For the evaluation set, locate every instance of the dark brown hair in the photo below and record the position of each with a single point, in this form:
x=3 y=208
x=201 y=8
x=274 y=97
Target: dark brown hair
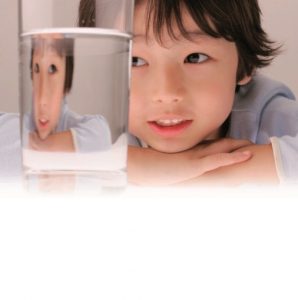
x=63 y=47
x=238 y=21
x=87 y=13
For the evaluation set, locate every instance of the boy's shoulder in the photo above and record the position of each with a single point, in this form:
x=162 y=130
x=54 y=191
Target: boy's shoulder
x=10 y=150
x=261 y=103
x=9 y=131
x=9 y=123
x=255 y=95
x=69 y=119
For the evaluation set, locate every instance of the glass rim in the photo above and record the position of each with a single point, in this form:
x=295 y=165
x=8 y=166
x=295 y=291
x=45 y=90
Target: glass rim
x=77 y=30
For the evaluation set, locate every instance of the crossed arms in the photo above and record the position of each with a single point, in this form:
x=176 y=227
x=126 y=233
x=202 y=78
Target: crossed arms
x=222 y=162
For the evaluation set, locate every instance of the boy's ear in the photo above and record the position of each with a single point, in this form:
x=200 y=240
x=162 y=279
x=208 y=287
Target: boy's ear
x=246 y=79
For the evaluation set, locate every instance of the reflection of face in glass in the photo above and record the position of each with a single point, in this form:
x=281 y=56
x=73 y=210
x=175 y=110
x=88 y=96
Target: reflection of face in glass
x=48 y=75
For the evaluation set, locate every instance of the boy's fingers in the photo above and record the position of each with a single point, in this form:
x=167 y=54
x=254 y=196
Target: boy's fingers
x=215 y=161
x=223 y=145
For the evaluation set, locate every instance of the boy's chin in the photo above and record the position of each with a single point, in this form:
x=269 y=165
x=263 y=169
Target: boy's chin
x=43 y=135
x=170 y=148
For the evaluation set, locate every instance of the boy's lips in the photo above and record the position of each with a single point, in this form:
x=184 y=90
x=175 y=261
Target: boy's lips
x=43 y=122
x=169 y=127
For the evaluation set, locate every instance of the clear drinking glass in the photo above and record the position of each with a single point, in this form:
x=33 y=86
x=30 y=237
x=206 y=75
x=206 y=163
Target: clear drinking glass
x=74 y=89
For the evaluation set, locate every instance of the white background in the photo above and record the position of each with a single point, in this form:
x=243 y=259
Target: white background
x=151 y=244
x=280 y=21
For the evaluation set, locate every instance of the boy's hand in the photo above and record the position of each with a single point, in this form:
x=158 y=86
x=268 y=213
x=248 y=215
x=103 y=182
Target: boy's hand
x=260 y=169
x=150 y=167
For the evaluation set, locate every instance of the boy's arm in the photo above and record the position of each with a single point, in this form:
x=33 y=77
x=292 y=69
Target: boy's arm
x=150 y=167
x=56 y=142
x=260 y=169
x=90 y=133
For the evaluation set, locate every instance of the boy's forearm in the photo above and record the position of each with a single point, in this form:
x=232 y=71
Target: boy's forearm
x=260 y=169
x=56 y=142
x=150 y=167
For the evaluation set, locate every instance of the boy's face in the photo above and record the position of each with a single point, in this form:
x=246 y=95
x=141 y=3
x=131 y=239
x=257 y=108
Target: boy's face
x=182 y=91
x=48 y=74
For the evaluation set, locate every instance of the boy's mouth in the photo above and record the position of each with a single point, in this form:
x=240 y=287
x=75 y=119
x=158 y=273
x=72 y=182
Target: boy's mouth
x=169 y=127
x=169 y=122
x=43 y=122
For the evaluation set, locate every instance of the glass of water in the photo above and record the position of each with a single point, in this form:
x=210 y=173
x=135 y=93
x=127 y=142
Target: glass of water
x=74 y=89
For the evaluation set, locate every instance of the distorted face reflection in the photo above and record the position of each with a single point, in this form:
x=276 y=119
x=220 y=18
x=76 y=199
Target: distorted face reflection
x=48 y=75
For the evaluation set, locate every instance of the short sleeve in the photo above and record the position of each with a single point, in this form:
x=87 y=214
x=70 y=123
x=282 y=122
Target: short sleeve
x=279 y=118
x=285 y=150
x=91 y=134
x=279 y=124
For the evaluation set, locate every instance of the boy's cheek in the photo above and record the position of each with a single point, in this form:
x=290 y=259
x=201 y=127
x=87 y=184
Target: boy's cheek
x=133 y=124
x=136 y=124
x=136 y=108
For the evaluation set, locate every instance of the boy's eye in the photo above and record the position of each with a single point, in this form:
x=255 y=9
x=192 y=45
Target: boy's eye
x=196 y=58
x=52 y=69
x=36 y=68
x=138 y=62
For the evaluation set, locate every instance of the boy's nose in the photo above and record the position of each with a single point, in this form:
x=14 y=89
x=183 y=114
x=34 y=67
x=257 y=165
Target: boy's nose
x=168 y=85
x=42 y=93
x=43 y=101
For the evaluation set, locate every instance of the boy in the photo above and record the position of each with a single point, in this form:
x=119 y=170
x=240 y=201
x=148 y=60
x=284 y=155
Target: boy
x=53 y=127
x=189 y=57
